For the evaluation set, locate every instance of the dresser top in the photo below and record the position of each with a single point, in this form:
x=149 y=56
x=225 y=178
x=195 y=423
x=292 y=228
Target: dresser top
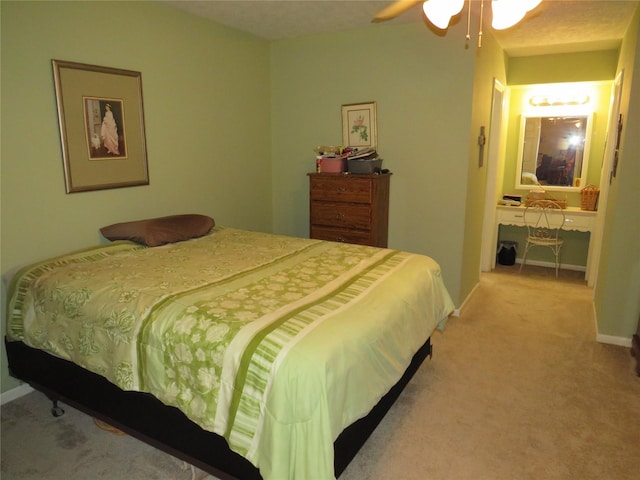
x=348 y=175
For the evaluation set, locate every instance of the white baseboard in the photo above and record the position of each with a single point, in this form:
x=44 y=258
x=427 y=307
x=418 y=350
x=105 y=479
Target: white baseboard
x=563 y=266
x=15 y=393
x=457 y=311
x=611 y=340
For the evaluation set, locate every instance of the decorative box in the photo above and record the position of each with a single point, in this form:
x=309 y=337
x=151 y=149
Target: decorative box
x=331 y=164
x=366 y=166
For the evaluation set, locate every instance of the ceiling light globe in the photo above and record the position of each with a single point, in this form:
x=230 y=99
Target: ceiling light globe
x=439 y=12
x=506 y=13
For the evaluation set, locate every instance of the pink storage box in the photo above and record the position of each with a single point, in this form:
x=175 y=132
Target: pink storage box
x=332 y=164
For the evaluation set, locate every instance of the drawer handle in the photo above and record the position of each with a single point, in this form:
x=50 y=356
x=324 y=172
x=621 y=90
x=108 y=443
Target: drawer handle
x=340 y=239
x=340 y=216
x=341 y=189
x=519 y=215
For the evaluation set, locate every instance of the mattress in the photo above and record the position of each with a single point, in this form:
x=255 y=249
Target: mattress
x=276 y=343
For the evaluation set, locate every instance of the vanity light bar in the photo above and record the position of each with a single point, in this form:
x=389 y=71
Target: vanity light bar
x=555 y=101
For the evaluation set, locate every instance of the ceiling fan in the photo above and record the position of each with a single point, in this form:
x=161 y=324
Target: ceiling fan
x=505 y=13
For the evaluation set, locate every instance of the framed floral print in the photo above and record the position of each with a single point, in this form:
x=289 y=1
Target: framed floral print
x=359 y=128
x=101 y=120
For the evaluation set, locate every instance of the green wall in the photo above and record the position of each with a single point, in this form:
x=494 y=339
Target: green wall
x=423 y=87
x=490 y=66
x=563 y=67
x=206 y=99
x=574 y=250
x=617 y=292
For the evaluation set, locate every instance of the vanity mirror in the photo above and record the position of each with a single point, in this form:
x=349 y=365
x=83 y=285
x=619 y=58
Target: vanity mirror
x=553 y=152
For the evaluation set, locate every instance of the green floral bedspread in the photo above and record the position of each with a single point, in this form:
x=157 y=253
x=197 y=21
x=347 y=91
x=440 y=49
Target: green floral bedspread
x=205 y=325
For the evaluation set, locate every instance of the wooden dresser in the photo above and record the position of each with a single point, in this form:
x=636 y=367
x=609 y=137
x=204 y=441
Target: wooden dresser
x=349 y=208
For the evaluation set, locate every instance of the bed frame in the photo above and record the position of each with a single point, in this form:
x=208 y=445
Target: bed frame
x=143 y=416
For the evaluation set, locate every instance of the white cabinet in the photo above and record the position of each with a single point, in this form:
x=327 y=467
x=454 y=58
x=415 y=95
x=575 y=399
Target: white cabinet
x=575 y=219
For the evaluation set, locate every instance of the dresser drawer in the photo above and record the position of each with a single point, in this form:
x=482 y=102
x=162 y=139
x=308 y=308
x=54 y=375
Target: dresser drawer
x=345 y=215
x=578 y=221
x=342 y=189
x=341 y=235
x=511 y=216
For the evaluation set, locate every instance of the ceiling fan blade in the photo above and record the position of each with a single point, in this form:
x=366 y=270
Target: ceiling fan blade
x=396 y=8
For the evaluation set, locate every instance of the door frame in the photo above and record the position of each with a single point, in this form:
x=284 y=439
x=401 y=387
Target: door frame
x=494 y=173
x=606 y=176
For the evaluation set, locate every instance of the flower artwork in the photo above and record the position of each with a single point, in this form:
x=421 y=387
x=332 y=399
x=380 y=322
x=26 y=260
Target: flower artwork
x=360 y=128
x=359 y=125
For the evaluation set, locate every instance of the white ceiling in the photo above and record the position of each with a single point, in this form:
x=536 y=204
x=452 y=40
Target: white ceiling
x=555 y=26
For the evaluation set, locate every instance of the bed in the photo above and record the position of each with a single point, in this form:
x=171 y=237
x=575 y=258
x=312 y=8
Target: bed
x=248 y=355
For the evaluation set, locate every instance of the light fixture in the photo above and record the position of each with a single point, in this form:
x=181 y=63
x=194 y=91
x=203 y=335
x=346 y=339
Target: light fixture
x=440 y=12
x=558 y=100
x=575 y=140
x=506 y=13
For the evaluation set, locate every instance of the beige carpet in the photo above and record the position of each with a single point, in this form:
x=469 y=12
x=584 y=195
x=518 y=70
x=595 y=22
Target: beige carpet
x=517 y=389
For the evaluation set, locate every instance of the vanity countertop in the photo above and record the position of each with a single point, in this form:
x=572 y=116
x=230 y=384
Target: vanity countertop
x=575 y=217
x=571 y=210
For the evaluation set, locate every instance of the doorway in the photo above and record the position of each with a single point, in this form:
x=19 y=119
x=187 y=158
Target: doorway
x=496 y=169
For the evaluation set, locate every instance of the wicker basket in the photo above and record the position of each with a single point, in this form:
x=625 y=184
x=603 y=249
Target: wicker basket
x=561 y=203
x=535 y=194
x=589 y=198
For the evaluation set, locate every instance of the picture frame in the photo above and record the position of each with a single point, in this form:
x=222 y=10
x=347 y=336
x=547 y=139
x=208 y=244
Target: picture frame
x=101 y=121
x=359 y=127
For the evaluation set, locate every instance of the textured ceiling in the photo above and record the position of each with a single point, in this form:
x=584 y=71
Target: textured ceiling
x=276 y=19
x=555 y=26
x=569 y=26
